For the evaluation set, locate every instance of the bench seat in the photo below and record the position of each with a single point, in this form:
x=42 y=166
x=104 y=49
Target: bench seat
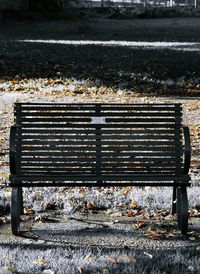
x=131 y=180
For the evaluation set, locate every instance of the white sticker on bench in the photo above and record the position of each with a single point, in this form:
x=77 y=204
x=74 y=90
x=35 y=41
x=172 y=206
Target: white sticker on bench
x=98 y=120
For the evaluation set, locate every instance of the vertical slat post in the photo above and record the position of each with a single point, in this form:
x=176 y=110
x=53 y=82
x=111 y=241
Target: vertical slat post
x=98 y=143
x=18 y=122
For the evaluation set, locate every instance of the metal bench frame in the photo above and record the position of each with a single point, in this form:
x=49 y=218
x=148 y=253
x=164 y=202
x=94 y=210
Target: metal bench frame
x=127 y=117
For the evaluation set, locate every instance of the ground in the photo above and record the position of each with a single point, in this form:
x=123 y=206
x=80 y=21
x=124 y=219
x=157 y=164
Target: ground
x=100 y=230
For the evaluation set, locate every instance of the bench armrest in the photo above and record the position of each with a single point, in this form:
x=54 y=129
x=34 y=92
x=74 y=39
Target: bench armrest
x=187 y=150
x=12 y=151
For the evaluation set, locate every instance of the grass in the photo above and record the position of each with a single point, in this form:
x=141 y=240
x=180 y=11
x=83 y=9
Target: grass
x=26 y=259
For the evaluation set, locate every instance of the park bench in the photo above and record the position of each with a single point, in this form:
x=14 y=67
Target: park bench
x=103 y=145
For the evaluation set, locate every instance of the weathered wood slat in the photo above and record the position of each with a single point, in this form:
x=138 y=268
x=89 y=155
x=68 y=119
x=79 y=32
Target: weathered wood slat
x=92 y=174
x=93 y=131
x=88 y=120
x=104 y=169
x=93 y=170
x=90 y=159
x=86 y=164
x=104 y=107
x=93 y=137
x=92 y=153
x=168 y=149
x=85 y=150
x=106 y=114
x=103 y=142
x=105 y=126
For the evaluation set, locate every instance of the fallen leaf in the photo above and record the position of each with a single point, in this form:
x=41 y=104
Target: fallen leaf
x=111 y=260
x=9 y=268
x=28 y=211
x=191 y=268
x=41 y=262
x=81 y=270
x=116 y=214
x=89 y=258
x=91 y=205
x=132 y=213
x=126 y=259
x=139 y=224
x=154 y=235
x=105 y=271
x=41 y=218
x=148 y=255
x=50 y=206
x=134 y=204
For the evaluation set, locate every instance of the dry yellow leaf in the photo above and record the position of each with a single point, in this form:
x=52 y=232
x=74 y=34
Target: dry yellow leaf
x=134 y=204
x=105 y=271
x=9 y=268
x=28 y=211
x=41 y=262
x=91 y=205
x=89 y=258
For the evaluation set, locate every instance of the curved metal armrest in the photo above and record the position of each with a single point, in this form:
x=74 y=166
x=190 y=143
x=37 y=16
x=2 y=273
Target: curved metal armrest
x=12 y=152
x=187 y=150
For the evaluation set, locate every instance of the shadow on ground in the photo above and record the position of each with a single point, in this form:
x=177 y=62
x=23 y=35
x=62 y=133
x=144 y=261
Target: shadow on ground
x=138 y=69
x=82 y=243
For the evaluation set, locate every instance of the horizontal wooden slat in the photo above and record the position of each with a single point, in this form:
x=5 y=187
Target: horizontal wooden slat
x=93 y=184
x=90 y=174
x=134 y=177
x=82 y=170
x=92 y=164
x=104 y=107
x=104 y=126
x=84 y=159
x=103 y=142
x=103 y=153
x=103 y=114
x=93 y=170
x=94 y=104
x=91 y=153
x=111 y=151
x=93 y=131
x=135 y=149
x=88 y=120
x=97 y=137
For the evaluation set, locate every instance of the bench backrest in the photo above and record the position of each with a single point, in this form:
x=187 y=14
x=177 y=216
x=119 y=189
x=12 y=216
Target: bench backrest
x=98 y=139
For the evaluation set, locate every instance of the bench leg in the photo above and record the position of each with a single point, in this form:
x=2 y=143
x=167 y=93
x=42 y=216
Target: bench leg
x=182 y=209
x=174 y=200
x=15 y=210
x=21 y=201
